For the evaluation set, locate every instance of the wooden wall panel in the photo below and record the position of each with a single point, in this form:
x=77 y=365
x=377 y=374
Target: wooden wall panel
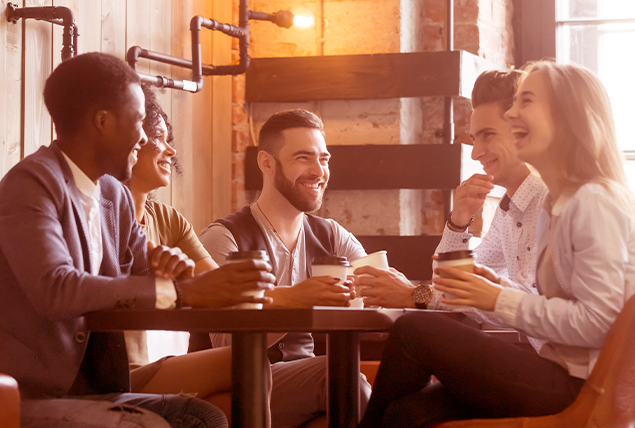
x=182 y=112
x=192 y=113
x=201 y=143
x=138 y=29
x=160 y=40
x=38 y=62
x=10 y=91
x=221 y=118
x=203 y=192
x=113 y=27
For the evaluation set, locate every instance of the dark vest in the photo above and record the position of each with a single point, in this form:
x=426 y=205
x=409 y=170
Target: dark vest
x=319 y=241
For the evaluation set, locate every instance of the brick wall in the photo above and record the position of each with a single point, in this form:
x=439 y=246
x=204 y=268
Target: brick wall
x=482 y=27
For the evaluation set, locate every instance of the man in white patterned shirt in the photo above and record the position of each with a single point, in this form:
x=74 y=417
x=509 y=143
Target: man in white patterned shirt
x=509 y=248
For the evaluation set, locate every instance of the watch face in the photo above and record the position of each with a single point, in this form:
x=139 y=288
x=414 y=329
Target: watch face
x=422 y=294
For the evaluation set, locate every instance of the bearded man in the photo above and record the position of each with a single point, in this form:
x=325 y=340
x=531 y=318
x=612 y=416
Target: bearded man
x=294 y=161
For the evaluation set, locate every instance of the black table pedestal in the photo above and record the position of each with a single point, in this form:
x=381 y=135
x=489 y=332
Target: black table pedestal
x=342 y=348
x=249 y=396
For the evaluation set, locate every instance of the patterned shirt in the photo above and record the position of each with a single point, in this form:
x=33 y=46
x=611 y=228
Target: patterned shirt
x=509 y=248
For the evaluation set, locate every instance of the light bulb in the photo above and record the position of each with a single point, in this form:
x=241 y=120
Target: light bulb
x=303 y=19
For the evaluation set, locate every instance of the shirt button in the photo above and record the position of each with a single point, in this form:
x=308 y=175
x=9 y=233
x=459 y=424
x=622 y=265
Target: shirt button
x=281 y=345
x=80 y=337
x=519 y=224
x=465 y=240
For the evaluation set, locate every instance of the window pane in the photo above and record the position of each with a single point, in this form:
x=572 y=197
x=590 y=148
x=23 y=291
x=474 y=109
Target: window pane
x=601 y=48
x=600 y=9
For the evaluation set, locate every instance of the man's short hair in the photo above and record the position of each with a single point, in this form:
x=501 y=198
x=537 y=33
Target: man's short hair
x=495 y=86
x=87 y=81
x=269 y=138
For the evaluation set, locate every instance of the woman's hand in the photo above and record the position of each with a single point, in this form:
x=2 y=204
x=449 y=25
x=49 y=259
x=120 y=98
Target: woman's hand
x=479 y=290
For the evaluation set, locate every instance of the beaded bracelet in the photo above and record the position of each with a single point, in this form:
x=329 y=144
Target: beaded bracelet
x=456 y=228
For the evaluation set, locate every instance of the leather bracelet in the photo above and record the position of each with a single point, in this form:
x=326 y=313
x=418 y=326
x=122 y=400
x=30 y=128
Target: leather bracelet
x=177 y=289
x=456 y=228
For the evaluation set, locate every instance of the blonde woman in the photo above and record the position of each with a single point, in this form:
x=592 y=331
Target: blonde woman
x=563 y=126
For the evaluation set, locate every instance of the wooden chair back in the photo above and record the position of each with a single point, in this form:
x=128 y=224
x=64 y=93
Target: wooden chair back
x=9 y=402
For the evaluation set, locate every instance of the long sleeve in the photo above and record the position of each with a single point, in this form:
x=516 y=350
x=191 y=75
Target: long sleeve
x=593 y=253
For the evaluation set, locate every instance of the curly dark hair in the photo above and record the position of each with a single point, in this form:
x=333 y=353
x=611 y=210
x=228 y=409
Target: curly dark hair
x=154 y=113
x=89 y=81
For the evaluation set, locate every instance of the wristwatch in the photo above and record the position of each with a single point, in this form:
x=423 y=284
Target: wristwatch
x=422 y=295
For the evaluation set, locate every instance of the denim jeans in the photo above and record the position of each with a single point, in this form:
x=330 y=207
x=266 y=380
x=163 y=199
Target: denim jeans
x=122 y=411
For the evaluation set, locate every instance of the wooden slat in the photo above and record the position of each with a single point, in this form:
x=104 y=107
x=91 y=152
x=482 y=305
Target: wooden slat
x=411 y=255
x=349 y=77
x=221 y=116
x=138 y=29
x=191 y=119
x=182 y=185
x=415 y=166
x=160 y=40
x=37 y=67
x=113 y=27
x=10 y=90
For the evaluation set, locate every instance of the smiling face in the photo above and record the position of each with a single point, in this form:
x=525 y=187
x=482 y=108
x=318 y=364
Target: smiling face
x=123 y=136
x=494 y=146
x=532 y=122
x=302 y=168
x=154 y=167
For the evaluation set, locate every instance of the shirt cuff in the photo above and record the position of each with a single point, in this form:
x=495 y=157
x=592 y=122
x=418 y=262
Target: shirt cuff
x=507 y=305
x=166 y=293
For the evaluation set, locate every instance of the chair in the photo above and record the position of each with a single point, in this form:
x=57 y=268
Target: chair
x=607 y=399
x=9 y=402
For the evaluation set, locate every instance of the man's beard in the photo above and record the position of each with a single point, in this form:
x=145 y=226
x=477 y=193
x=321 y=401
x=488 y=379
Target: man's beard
x=294 y=195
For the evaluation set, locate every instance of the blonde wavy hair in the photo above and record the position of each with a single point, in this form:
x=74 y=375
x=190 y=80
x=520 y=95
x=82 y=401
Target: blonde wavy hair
x=587 y=150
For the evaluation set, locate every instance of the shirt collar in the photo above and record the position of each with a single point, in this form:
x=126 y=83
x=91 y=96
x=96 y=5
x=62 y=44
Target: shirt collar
x=83 y=183
x=531 y=187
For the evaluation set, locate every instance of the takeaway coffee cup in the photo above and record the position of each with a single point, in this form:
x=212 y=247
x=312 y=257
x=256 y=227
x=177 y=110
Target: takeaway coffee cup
x=379 y=260
x=336 y=267
x=241 y=256
x=462 y=259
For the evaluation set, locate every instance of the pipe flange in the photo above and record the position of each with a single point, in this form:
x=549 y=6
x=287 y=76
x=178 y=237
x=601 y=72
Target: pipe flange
x=11 y=8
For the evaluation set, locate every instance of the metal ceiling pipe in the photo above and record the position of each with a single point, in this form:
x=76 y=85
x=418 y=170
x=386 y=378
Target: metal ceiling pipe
x=58 y=15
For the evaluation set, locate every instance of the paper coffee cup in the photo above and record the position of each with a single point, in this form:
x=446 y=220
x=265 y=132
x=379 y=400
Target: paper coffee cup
x=333 y=266
x=378 y=260
x=336 y=267
x=462 y=259
x=241 y=256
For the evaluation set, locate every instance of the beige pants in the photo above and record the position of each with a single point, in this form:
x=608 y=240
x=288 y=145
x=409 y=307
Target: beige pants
x=299 y=391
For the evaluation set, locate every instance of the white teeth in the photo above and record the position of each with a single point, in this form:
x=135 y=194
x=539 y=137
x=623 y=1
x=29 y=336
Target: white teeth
x=312 y=185
x=519 y=132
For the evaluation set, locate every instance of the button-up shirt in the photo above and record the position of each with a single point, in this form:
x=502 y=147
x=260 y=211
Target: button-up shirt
x=90 y=196
x=508 y=248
